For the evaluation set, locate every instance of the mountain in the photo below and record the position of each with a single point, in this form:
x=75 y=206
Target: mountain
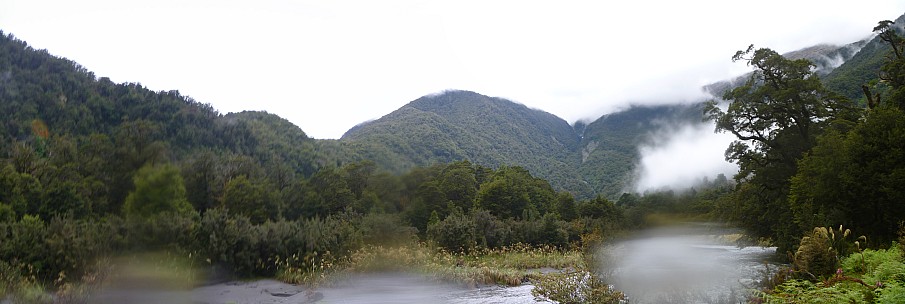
x=56 y=111
x=825 y=57
x=459 y=125
x=863 y=67
x=585 y=159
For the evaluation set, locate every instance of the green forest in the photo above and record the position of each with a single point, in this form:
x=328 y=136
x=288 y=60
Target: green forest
x=93 y=171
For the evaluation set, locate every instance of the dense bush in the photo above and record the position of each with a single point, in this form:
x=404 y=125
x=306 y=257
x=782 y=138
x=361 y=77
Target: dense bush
x=816 y=256
x=871 y=276
x=234 y=243
x=480 y=229
x=546 y=230
x=491 y=231
x=457 y=232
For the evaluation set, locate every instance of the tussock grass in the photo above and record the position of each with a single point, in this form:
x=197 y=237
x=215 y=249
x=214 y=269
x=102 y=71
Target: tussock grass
x=510 y=266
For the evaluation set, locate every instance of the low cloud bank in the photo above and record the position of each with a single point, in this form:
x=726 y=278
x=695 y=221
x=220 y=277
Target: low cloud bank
x=681 y=156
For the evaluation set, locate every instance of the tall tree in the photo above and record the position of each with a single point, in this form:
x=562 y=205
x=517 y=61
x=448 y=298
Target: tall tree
x=776 y=116
x=252 y=199
x=858 y=178
x=158 y=189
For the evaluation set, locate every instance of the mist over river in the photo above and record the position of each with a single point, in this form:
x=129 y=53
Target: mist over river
x=685 y=264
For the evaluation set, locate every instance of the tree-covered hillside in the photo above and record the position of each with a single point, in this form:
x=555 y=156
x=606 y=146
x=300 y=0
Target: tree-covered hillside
x=56 y=113
x=863 y=68
x=462 y=125
x=588 y=159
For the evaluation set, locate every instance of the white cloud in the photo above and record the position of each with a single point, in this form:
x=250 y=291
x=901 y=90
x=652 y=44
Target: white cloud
x=682 y=156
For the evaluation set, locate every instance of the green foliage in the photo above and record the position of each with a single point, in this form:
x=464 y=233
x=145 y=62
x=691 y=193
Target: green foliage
x=816 y=256
x=457 y=233
x=253 y=200
x=565 y=206
x=512 y=190
x=776 y=115
x=6 y=213
x=546 y=230
x=491 y=232
x=600 y=208
x=234 y=243
x=164 y=231
x=882 y=265
x=856 y=179
x=855 y=176
x=158 y=189
x=871 y=276
x=796 y=291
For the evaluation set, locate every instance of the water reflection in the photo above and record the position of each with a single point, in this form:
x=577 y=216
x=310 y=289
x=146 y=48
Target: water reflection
x=408 y=288
x=377 y=288
x=688 y=264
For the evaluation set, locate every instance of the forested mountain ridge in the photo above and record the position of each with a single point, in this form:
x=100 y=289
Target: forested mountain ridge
x=57 y=113
x=591 y=159
x=863 y=67
x=463 y=125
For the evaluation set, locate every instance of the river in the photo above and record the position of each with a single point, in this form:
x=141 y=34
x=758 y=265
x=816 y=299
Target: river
x=687 y=264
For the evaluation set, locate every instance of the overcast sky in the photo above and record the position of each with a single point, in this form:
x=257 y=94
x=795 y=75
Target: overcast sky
x=329 y=65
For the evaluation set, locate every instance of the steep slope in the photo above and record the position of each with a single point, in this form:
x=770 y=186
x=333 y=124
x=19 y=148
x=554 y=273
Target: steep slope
x=53 y=105
x=457 y=125
x=825 y=57
x=863 y=67
x=587 y=160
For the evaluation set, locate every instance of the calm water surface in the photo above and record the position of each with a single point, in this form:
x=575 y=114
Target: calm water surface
x=687 y=264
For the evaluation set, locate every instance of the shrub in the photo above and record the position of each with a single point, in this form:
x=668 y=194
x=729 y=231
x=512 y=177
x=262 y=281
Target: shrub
x=816 y=255
x=9 y=278
x=168 y=230
x=546 y=230
x=245 y=249
x=490 y=231
x=457 y=232
x=227 y=241
x=23 y=242
x=158 y=189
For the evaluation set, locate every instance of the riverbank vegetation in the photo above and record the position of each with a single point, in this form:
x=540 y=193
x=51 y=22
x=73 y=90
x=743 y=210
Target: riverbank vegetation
x=831 y=267
x=462 y=222
x=810 y=157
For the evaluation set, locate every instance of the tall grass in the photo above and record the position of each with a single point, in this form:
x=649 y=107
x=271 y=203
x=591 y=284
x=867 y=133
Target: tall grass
x=509 y=266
